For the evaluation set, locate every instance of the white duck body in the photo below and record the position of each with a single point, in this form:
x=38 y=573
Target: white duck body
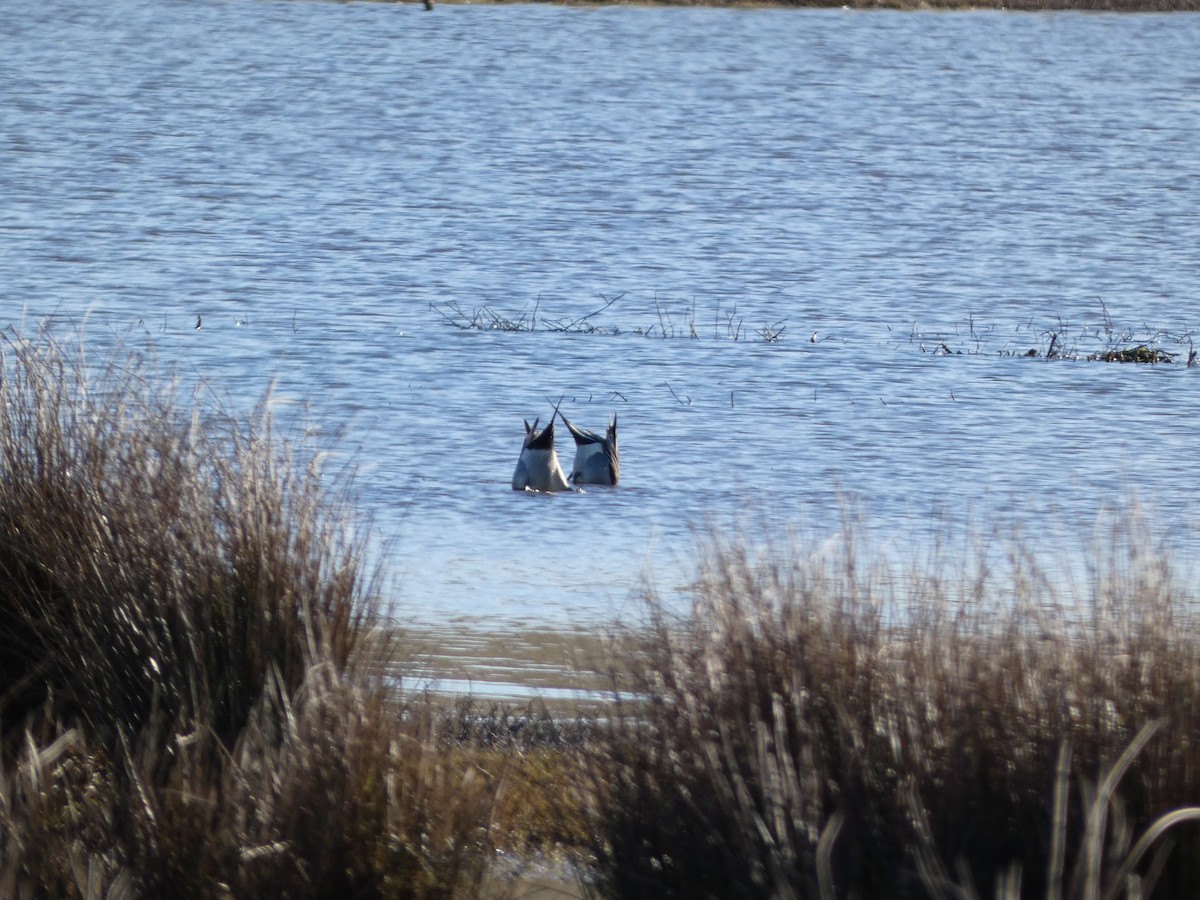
x=538 y=468
x=597 y=460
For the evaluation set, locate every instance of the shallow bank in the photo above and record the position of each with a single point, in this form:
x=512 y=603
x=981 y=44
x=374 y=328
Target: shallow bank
x=561 y=668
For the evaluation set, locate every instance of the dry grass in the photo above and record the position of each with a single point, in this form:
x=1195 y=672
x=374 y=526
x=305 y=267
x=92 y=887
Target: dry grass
x=194 y=703
x=189 y=708
x=820 y=727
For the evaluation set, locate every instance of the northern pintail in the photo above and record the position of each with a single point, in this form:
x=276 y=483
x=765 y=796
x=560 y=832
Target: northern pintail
x=537 y=467
x=597 y=460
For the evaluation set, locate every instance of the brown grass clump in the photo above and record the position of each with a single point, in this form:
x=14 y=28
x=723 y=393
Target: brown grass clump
x=188 y=707
x=818 y=727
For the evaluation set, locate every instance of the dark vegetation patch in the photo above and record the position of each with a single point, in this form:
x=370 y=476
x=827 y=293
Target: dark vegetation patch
x=1096 y=340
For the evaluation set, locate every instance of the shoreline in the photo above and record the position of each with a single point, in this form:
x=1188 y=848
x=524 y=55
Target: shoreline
x=1029 y=6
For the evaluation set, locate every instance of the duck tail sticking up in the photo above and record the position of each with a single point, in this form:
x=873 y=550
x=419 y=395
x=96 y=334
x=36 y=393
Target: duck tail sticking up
x=597 y=459
x=538 y=468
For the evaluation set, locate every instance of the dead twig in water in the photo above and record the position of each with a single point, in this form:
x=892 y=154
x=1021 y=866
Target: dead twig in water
x=771 y=333
x=578 y=324
x=676 y=396
x=661 y=324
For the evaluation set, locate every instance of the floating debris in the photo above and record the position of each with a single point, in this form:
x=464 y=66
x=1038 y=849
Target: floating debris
x=1139 y=354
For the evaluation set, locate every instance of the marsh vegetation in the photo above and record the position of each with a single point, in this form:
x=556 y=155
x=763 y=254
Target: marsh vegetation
x=191 y=706
x=822 y=726
x=1097 y=340
x=200 y=697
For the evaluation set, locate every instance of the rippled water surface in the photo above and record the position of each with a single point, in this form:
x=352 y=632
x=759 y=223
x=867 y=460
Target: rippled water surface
x=909 y=202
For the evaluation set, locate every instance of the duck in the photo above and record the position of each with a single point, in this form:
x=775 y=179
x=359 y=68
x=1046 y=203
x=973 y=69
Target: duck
x=597 y=460
x=538 y=468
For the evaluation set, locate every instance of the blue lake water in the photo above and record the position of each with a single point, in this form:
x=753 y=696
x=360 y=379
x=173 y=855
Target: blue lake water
x=331 y=190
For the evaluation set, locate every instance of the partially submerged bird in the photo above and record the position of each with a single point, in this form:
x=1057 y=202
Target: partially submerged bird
x=597 y=460
x=537 y=467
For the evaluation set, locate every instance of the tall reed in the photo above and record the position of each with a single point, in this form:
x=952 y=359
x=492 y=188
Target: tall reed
x=190 y=703
x=818 y=726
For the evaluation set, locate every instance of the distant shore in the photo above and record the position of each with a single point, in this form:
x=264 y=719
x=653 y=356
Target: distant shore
x=1123 y=6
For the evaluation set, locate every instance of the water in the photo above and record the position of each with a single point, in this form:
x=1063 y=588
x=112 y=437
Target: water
x=308 y=181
